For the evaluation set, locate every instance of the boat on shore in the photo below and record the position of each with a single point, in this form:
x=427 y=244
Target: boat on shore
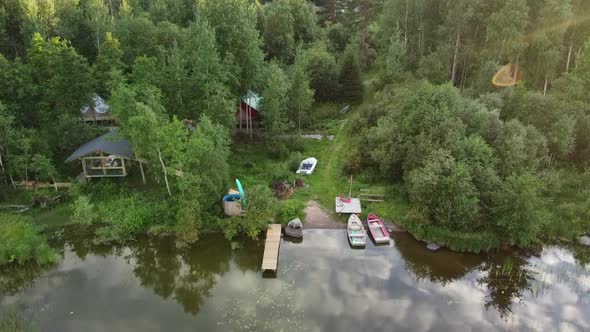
x=294 y=228
x=357 y=236
x=307 y=166
x=377 y=229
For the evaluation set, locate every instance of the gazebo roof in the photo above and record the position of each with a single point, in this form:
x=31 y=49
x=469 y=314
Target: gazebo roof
x=109 y=143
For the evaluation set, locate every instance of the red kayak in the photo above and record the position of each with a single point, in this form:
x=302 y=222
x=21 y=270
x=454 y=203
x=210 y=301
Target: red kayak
x=377 y=229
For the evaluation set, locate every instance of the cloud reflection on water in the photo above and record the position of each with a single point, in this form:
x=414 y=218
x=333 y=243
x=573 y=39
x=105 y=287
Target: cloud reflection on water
x=322 y=284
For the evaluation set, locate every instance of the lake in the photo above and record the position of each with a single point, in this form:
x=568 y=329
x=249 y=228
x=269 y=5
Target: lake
x=321 y=285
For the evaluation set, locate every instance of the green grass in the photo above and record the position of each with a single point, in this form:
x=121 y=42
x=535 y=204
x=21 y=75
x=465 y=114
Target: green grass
x=253 y=165
x=59 y=216
x=20 y=242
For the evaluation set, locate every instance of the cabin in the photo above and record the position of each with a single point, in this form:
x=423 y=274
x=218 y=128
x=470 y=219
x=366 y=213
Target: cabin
x=97 y=113
x=247 y=114
x=109 y=155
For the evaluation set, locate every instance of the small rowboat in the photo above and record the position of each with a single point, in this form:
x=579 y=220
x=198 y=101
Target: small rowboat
x=356 y=232
x=294 y=228
x=307 y=166
x=377 y=229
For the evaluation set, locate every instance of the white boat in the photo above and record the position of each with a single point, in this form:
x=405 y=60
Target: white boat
x=307 y=166
x=356 y=231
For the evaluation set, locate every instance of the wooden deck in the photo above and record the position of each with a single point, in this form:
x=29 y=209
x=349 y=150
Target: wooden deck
x=352 y=207
x=271 y=248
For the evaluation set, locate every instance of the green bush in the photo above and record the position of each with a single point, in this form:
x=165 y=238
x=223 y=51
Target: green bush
x=20 y=242
x=129 y=216
x=260 y=212
x=84 y=211
x=290 y=210
x=280 y=173
x=417 y=224
x=294 y=161
x=281 y=147
x=188 y=222
x=295 y=143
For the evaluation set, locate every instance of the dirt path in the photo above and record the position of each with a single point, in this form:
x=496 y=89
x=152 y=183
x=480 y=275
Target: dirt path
x=316 y=217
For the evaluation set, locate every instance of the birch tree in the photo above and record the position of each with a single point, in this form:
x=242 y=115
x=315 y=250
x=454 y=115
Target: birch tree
x=505 y=31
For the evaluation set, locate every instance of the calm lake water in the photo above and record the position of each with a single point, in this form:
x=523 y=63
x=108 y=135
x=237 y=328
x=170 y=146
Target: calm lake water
x=321 y=285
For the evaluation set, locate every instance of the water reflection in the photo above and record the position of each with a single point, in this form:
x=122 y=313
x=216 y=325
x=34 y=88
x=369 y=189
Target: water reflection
x=442 y=266
x=321 y=284
x=506 y=279
x=184 y=274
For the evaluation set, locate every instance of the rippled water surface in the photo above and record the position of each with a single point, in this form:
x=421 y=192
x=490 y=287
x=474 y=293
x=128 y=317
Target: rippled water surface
x=321 y=284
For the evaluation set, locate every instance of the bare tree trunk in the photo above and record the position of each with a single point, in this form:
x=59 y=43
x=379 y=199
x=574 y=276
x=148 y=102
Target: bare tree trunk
x=142 y=173
x=545 y=86
x=454 y=70
x=299 y=119
x=365 y=23
x=251 y=126
x=54 y=183
x=112 y=8
x=165 y=172
x=1 y=163
x=240 y=110
x=406 y=23
x=12 y=181
x=577 y=57
x=464 y=72
x=248 y=119
x=569 y=56
x=516 y=69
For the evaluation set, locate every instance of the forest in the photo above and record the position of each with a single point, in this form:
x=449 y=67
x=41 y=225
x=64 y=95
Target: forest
x=464 y=162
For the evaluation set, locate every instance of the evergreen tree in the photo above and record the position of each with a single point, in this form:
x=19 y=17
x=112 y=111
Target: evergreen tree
x=321 y=66
x=109 y=67
x=351 y=84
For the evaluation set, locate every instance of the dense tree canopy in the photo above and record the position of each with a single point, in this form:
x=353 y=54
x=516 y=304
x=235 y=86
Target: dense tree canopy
x=470 y=156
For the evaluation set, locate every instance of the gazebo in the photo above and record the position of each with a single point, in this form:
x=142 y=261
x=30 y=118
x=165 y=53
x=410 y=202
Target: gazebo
x=106 y=156
x=98 y=112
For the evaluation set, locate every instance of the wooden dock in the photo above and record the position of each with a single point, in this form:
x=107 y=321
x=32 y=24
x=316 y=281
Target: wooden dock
x=271 y=248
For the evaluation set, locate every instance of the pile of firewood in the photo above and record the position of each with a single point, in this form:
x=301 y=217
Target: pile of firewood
x=282 y=190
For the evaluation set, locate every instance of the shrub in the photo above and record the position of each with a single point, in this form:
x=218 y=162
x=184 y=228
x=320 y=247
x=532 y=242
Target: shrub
x=280 y=173
x=259 y=211
x=278 y=148
x=295 y=143
x=20 y=242
x=281 y=147
x=129 y=216
x=290 y=210
x=294 y=161
x=188 y=222
x=84 y=211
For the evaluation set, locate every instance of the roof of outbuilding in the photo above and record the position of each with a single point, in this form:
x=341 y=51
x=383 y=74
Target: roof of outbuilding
x=99 y=106
x=252 y=99
x=109 y=143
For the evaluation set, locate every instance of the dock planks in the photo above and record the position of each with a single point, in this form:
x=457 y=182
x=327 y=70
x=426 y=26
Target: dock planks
x=271 y=248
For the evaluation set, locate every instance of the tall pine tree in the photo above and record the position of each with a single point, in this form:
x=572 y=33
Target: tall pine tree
x=351 y=84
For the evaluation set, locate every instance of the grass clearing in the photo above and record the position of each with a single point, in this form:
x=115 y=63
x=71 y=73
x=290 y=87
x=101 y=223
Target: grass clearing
x=253 y=165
